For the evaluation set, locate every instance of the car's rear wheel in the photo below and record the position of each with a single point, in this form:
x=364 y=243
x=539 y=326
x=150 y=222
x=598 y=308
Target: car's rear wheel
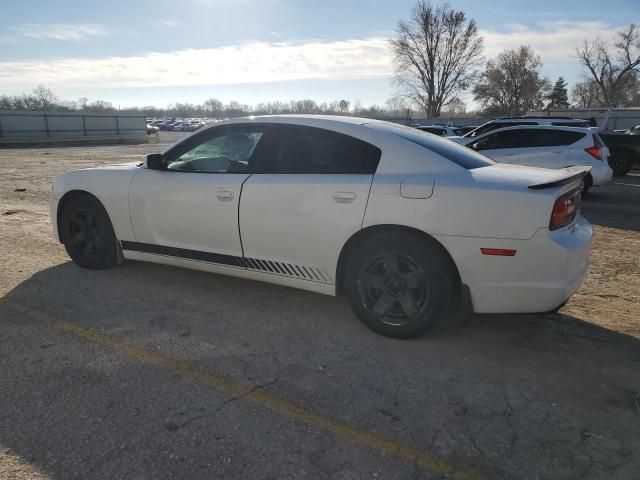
x=87 y=233
x=399 y=284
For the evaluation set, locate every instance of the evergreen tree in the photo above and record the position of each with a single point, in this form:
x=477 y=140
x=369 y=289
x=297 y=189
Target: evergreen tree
x=559 y=97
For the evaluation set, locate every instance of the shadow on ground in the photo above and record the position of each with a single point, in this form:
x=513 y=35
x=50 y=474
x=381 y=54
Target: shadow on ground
x=616 y=205
x=515 y=396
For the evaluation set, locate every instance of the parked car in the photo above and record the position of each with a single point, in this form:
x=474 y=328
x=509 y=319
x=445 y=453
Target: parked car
x=461 y=131
x=151 y=129
x=625 y=150
x=410 y=227
x=441 y=131
x=524 y=120
x=548 y=147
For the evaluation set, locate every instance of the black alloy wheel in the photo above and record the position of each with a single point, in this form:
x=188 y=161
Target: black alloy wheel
x=87 y=233
x=400 y=284
x=394 y=287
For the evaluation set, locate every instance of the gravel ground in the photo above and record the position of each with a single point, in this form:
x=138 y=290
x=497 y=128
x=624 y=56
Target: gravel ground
x=149 y=372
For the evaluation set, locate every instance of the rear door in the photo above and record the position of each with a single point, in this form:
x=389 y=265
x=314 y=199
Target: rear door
x=307 y=197
x=501 y=146
x=546 y=147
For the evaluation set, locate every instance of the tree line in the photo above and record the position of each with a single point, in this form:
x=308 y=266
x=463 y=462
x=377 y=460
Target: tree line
x=43 y=98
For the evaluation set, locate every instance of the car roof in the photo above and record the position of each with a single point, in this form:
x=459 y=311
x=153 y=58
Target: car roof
x=541 y=127
x=527 y=119
x=304 y=118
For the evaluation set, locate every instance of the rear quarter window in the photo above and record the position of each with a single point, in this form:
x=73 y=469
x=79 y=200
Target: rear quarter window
x=462 y=156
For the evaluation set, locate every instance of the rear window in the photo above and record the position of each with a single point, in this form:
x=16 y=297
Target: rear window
x=450 y=150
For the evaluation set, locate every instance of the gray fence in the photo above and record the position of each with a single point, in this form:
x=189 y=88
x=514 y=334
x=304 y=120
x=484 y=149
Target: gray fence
x=51 y=127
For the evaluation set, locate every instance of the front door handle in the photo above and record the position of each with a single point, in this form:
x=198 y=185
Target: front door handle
x=511 y=154
x=344 y=197
x=225 y=195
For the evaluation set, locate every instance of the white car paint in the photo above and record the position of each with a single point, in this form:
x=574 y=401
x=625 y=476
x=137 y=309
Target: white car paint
x=303 y=221
x=554 y=157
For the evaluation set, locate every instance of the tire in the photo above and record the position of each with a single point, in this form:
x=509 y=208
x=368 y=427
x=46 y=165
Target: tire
x=399 y=284
x=87 y=233
x=587 y=183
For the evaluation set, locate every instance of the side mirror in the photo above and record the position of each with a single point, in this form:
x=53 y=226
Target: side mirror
x=475 y=146
x=154 y=161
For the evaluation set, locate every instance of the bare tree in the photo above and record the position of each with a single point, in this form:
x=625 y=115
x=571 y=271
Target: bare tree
x=44 y=98
x=213 y=107
x=610 y=66
x=586 y=94
x=436 y=54
x=455 y=106
x=512 y=84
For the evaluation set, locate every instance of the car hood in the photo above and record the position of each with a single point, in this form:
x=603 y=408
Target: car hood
x=118 y=166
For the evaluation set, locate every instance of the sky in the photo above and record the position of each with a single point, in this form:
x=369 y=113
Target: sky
x=156 y=52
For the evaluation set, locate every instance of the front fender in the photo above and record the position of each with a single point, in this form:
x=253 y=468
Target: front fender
x=109 y=185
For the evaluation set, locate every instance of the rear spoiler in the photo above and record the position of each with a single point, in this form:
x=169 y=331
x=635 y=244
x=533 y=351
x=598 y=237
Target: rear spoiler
x=564 y=177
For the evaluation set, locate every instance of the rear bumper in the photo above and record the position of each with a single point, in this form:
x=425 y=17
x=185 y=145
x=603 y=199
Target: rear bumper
x=546 y=270
x=601 y=173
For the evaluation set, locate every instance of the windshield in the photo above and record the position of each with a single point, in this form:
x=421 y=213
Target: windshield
x=458 y=154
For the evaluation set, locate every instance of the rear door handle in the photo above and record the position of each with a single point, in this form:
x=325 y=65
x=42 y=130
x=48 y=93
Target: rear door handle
x=344 y=197
x=225 y=195
x=558 y=151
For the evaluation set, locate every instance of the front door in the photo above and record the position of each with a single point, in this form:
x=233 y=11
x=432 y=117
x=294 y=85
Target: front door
x=190 y=208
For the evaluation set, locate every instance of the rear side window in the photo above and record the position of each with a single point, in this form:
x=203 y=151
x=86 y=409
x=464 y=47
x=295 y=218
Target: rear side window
x=450 y=150
x=546 y=137
x=308 y=150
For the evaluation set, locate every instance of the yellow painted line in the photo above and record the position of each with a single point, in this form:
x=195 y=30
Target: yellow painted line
x=258 y=396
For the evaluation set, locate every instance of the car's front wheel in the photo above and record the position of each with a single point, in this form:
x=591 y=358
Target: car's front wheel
x=87 y=233
x=399 y=284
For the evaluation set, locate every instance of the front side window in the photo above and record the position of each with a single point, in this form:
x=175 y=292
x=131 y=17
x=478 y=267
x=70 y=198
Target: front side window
x=309 y=150
x=229 y=150
x=499 y=140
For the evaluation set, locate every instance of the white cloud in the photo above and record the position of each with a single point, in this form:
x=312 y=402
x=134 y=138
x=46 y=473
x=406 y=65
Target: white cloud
x=61 y=31
x=240 y=64
x=166 y=24
x=276 y=61
x=553 y=41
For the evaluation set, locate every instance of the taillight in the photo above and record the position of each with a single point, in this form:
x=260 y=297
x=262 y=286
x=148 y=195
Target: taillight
x=565 y=209
x=596 y=150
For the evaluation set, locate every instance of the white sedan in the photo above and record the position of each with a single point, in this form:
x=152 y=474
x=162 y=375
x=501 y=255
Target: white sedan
x=407 y=225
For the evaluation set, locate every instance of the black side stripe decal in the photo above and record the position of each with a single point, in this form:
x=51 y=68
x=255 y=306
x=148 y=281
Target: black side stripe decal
x=184 y=253
x=284 y=269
